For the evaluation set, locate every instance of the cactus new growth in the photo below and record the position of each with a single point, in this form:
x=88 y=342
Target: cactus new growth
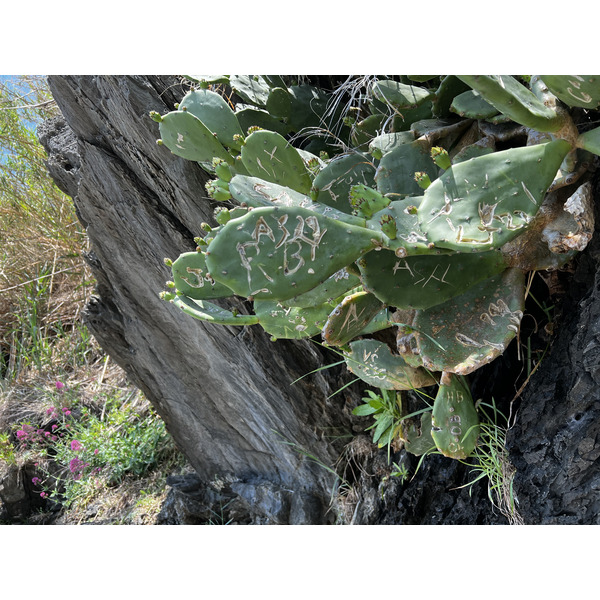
x=400 y=228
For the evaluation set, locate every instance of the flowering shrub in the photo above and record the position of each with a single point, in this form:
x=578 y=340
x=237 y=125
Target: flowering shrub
x=82 y=451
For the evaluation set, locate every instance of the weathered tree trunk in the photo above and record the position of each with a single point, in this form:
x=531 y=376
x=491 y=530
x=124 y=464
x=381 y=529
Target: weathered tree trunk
x=226 y=393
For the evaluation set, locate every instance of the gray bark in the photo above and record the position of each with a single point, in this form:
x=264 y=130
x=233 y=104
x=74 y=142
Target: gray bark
x=225 y=393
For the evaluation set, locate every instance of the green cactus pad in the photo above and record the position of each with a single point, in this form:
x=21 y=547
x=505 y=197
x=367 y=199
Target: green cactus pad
x=211 y=313
x=279 y=103
x=484 y=320
x=366 y=130
x=386 y=142
x=216 y=114
x=328 y=291
x=403 y=120
x=575 y=90
x=515 y=101
x=450 y=87
x=332 y=184
x=400 y=95
x=250 y=116
x=375 y=364
x=257 y=192
x=590 y=141
x=427 y=280
x=407 y=238
x=350 y=318
x=395 y=175
x=278 y=253
x=251 y=88
x=455 y=424
x=471 y=105
x=268 y=155
x=189 y=275
x=418 y=439
x=284 y=322
x=309 y=104
x=185 y=135
x=382 y=320
x=482 y=203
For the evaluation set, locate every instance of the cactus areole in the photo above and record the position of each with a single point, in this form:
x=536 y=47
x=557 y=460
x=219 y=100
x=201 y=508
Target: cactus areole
x=422 y=217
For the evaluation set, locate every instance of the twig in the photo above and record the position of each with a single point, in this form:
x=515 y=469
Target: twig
x=28 y=105
x=36 y=279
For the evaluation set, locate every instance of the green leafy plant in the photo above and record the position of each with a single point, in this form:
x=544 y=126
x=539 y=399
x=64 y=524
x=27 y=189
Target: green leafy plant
x=490 y=461
x=398 y=218
x=78 y=450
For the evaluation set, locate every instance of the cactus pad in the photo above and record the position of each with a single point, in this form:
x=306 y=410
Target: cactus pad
x=455 y=424
x=216 y=114
x=190 y=277
x=350 y=318
x=278 y=253
x=427 y=280
x=484 y=202
x=575 y=90
x=185 y=135
x=332 y=184
x=268 y=155
x=285 y=322
x=484 y=320
x=395 y=175
x=375 y=364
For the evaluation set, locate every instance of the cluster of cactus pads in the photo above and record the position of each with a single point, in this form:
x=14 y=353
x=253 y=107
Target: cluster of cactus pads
x=399 y=226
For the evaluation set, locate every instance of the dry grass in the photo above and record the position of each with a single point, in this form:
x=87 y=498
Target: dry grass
x=44 y=285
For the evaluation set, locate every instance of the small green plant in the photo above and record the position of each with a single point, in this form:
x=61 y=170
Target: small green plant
x=490 y=461
x=399 y=472
x=7 y=450
x=87 y=450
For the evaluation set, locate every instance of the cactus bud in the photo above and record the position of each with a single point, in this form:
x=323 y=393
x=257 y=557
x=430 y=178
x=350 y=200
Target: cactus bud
x=323 y=156
x=222 y=215
x=388 y=226
x=217 y=191
x=440 y=157
x=376 y=153
x=423 y=180
x=159 y=142
x=155 y=116
x=168 y=262
x=170 y=284
x=205 y=227
x=222 y=170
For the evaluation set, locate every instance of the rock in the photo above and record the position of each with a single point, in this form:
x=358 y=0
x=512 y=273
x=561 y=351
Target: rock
x=226 y=394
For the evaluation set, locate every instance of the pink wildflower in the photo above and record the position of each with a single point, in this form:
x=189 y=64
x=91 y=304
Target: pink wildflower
x=76 y=445
x=59 y=386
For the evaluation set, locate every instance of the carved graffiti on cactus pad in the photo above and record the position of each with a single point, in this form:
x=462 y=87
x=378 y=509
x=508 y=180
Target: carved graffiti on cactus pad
x=292 y=244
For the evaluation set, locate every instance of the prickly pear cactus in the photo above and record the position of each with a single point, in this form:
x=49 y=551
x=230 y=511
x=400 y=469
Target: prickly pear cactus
x=396 y=218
